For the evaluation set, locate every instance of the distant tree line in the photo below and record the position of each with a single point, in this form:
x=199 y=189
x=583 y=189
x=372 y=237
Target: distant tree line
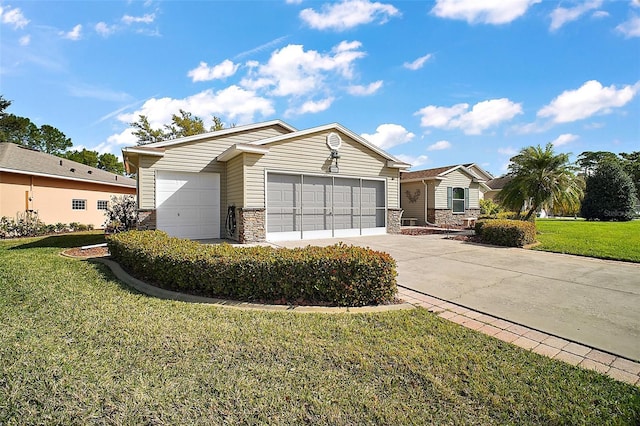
x=182 y=124
x=599 y=186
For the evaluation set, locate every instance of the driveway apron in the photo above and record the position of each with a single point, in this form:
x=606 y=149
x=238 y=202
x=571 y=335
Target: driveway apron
x=591 y=301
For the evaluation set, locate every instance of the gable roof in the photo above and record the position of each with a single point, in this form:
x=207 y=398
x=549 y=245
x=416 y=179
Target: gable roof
x=392 y=161
x=499 y=182
x=438 y=173
x=217 y=133
x=481 y=173
x=17 y=159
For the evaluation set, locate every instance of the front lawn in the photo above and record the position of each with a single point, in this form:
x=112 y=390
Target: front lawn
x=79 y=347
x=606 y=240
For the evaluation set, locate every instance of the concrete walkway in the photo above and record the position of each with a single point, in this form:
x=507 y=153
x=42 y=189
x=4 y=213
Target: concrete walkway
x=592 y=302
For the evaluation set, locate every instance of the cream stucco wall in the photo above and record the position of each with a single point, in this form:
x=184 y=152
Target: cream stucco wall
x=52 y=198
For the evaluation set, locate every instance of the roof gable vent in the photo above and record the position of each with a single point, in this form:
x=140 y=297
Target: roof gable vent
x=334 y=141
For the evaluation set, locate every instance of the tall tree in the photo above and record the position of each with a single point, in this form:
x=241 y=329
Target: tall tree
x=19 y=130
x=182 y=124
x=185 y=124
x=4 y=104
x=144 y=132
x=110 y=163
x=90 y=158
x=631 y=165
x=53 y=141
x=589 y=160
x=609 y=195
x=540 y=179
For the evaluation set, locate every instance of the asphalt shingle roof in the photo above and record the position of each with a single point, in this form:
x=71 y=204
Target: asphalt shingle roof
x=499 y=182
x=27 y=161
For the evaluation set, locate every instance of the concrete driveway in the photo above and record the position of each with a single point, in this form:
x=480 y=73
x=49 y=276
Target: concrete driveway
x=590 y=301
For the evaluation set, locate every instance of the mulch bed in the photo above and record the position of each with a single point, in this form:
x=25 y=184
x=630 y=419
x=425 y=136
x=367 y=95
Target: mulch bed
x=90 y=252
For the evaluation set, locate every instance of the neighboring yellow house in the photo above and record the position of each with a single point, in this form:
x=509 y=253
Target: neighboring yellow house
x=59 y=190
x=267 y=181
x=443 y=196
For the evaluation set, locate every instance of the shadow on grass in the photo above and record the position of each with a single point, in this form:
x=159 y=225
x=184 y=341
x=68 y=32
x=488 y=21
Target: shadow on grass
x=106 y=273
x=63 y=241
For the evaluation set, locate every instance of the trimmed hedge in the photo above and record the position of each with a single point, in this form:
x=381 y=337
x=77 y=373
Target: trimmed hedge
x=505 y=232
x=336 y=275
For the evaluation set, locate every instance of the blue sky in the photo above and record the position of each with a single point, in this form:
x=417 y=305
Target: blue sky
x=434 y=83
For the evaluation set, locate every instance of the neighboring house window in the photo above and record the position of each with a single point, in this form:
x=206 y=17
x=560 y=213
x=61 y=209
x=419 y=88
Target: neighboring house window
x=102 y=204
x=78 y=204
x=457 y=199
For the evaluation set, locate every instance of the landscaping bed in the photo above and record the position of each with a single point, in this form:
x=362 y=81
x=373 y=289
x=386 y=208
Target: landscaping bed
x=337 y=275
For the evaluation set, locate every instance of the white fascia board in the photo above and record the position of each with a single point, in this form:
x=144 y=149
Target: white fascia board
x=23 y=172
x=421 y=179
x=239 y=148
x=218 y=133
x=142 y=151
x=397 y=165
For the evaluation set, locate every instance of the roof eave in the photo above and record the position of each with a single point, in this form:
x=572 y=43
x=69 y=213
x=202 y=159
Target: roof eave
x=26 y=172
x=240 y=148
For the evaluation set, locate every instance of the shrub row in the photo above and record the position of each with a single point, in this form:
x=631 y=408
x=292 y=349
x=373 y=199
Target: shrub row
x=506 y=232
x=31 y=226
x=336 y=275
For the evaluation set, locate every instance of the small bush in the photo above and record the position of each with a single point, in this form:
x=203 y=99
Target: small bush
x=505 y=232
x=121 y=214
x=336 y=275
x=489 y=208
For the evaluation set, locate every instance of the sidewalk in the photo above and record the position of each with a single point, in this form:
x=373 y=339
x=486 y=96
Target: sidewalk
x=545 y=344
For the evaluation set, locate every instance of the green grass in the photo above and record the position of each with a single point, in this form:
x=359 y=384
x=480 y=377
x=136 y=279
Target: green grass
x=605 y=240
x=79 y=347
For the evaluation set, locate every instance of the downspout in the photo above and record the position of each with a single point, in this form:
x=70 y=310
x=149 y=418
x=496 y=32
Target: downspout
x=426 y=204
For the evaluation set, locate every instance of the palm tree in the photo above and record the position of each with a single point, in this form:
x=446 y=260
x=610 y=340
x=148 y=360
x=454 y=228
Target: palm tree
x=541 y=179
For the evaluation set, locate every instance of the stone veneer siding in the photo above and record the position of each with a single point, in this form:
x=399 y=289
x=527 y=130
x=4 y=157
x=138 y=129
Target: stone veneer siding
x=146 y=220
x=251 y=225
x=444 y=217
x=393 y=221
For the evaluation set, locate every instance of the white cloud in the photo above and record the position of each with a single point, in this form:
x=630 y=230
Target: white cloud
x=600 y=14
x=564 y=139
x=292 y=71
x=508 y=151
x=13 y=17
x=369 y=89
x=590 y=99
x=415 y=161
x=562 y=15
x=262 y=47
x=294 y=1
x=232 y=103
x=485 y=12
x=635 y=3
x=310 y=107
x=74 y=34
x=205 y=73
x=438 y=146
x=25 y=40
x=348 y=14
x=630 y=28
x=145 y=19
x=389 y=135
x=418 y=63
x=105 y=30
x=483 y=115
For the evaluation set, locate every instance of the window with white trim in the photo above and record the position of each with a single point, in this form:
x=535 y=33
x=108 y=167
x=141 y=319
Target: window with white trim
x=103 y=204
x=78 y=204
x=457 y=200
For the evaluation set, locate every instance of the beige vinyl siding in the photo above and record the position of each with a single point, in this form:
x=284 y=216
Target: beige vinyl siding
x=474 y=196
x=455 y=179
x=310 y=154
x=234 y=184
x=415 y=209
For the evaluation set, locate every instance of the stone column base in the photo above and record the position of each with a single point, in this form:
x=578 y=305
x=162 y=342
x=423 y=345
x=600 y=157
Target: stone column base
x=444 y=217
x=251 y=225
x=393 y=221
x=146 y=220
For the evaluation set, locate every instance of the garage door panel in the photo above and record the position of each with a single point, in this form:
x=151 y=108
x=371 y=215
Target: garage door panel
x=330 y=206
x=188 y=204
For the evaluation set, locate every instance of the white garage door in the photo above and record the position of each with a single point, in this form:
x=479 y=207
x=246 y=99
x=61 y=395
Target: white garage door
x=305 y=206
x=188 y=204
